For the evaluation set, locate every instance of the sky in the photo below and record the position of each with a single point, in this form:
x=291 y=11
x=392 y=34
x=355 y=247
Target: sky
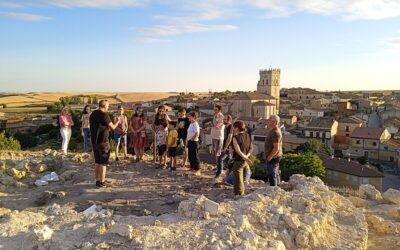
x=178 y=45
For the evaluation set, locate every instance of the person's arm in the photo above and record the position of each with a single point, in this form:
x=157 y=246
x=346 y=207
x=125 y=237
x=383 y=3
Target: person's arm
x=109 y=123
x=143 y=127
x=117 y=129
x=251 y=150
x=240 y=153
x=126 y=124
x=228 y=141
x=275 y=149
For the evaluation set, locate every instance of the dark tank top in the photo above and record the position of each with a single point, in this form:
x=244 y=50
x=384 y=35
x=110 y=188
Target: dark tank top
x=244 y=143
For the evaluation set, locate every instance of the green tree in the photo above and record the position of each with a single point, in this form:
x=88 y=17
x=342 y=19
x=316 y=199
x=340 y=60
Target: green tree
x=308 y=164
x=257 y=169
x=362 y=160
x=8 y=143
x=314 y=146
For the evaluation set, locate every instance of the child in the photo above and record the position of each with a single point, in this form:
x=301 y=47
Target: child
x=162 y=144
x=172 y=144
x=192 y=143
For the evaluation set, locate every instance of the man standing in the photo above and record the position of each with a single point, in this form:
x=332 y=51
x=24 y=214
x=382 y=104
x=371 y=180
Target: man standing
x=217 y=132
x=228 y=135
x=183 y=125
x=100 y=125
x=273 y=150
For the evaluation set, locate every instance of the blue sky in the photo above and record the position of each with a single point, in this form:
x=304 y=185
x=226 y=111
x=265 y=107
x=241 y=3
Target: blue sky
x=174 y=45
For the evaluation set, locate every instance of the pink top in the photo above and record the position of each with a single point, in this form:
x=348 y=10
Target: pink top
x=64 y=119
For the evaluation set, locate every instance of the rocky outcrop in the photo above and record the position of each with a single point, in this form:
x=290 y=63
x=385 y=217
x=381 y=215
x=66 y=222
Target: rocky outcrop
x=309 y=216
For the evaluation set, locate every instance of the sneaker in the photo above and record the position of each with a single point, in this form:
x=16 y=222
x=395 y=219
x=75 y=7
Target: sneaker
x=173 y=168
x=117 y=159
x=97 y=183
x=101 y=185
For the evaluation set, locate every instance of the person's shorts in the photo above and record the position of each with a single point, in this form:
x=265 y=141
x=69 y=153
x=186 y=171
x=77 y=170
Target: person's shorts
x=119 y=138
x=101 y=153
x=172 y=152
x=161 y=149
x=217 y=146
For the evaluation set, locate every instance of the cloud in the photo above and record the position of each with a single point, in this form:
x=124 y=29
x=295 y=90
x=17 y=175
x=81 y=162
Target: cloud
x=23 y=16
x=181 y=28
x=153 y=40
x=347 y=9
x=393 y=43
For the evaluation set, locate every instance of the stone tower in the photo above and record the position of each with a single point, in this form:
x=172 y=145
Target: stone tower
x=269 y=83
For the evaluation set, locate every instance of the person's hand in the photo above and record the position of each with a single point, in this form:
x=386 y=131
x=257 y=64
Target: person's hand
x=269 y=159
x=249 y=162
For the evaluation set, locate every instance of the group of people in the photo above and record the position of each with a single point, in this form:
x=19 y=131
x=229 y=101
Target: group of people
x=231 y=143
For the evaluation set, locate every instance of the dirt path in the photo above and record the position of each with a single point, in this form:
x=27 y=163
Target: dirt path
x=135 y=189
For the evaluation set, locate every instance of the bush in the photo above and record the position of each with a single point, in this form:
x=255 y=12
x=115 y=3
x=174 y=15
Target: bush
x=308 y=164
x=27 y=140
x=257 y=169
x=362 y=160
x=314 y=146
x=8 y=143
x=44 y=129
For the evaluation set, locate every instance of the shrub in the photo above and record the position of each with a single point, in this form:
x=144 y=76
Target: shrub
x=314 y=146
x=257 y=169
x=308 y=164
x=8 y=143
x=27 y=140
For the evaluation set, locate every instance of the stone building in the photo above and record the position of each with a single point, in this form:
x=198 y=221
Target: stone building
x=264 y=102
x=344 y=173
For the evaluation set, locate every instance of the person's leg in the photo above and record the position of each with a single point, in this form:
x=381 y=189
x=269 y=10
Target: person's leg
x=174 y=162
x=196 y=156
x=69 y=134
x=277 y=178
x=238 y=185
x=103 y=169
x=191 y=154
x=63 y=135
x=270 y=173
x=125 y=140
x=185 y=156
x=85 y=139
x=141 y=153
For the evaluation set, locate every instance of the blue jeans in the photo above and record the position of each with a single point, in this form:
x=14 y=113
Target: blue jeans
x=86 y=138
x=246 y=176
x=221 y=162
x=272 y=168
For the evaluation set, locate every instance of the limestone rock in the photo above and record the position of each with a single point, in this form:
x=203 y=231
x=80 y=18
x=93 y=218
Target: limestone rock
x=211 y=207
x=392 y=195
x=16 y=174
x=123 y=230
x=44 y=233
x=381 y=225
x=394 y=212
x=370 y=192
x=358 y=202
x=67 y=175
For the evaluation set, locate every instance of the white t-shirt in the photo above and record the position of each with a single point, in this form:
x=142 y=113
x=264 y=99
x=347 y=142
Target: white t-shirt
x=218 y=133
x=192 y=130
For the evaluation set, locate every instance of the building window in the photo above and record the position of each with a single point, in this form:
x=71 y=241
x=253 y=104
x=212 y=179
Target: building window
x=364 y=180
x=347 y=135
x=347 y=128
x=311 y=134
x=354 y=180
x=374 y=144
x=317 y=134
x=259 y=138
x=386 y=148
x=358 y=142
x=391 y=159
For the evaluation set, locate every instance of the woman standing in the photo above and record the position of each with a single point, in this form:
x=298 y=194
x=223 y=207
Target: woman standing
x=85 y=128
x=193 y=134
x=120 y=133
x=138 y=136
x=243 y=148
x=66 y=123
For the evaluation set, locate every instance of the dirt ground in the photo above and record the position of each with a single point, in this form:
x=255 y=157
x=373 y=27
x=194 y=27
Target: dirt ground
x=134 y=189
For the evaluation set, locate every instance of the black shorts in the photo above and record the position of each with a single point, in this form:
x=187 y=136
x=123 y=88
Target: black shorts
x=101 y=153
x=172 y=152
x=161 y=149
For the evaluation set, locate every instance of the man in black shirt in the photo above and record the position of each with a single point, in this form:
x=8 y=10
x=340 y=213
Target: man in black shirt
x=183 y=125
x=100 y=125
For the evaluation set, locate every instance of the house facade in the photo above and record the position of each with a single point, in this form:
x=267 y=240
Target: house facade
x=367 y=142
x=351 y=174
x=323 y=128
